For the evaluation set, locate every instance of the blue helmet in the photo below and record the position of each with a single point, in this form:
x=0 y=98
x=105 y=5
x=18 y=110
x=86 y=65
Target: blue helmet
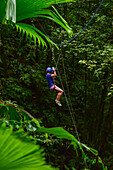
x=49 y=69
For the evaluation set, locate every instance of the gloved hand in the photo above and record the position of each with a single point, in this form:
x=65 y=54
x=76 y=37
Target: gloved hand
x=53 y=68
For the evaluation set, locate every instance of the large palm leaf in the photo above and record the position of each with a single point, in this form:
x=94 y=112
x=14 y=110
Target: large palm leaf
x=35 y=8
x=18 y=154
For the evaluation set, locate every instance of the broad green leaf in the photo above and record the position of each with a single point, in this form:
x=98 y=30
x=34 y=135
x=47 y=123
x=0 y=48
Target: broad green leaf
x=2 y=10
x=58 y=131
x=15 y=153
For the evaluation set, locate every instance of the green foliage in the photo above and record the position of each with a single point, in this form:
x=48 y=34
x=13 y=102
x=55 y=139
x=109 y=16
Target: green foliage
x=66 y=135
x=34 y=9
x=57 y=131
x=15 y=113
x=17 y=153
x=2 y=12
x=89 y=69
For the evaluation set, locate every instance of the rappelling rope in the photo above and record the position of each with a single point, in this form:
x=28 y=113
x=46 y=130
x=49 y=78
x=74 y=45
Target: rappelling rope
x=66 y=83
x=69 y=108
x=65 y=94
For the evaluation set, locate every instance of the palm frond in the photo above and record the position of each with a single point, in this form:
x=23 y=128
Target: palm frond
x=34 y=33
x=16 y=153
x=56 y=17
x=36 y=8
x=33 y=8
x=27 y=7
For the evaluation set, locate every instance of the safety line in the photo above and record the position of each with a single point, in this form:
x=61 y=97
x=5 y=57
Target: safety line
x=84 y=27
x=67 y=83
x=74 y=123
x=65 y=95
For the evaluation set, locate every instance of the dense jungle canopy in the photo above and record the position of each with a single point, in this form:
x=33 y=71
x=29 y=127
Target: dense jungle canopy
x=28 y=111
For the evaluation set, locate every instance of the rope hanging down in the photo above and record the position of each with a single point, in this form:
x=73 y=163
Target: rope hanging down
x=85 y=26
x=56 y=63
x=65 y=93
x=69 y=105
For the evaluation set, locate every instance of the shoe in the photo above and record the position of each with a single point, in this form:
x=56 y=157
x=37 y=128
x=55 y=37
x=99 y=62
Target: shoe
x=58 y=102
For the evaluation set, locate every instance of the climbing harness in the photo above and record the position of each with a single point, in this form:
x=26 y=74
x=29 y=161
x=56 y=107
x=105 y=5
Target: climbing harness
x=53 y=85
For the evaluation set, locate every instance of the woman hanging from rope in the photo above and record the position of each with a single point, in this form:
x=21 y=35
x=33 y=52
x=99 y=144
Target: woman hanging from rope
x=50 y=79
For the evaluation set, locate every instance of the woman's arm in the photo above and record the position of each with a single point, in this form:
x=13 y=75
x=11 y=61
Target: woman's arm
x=54 y=74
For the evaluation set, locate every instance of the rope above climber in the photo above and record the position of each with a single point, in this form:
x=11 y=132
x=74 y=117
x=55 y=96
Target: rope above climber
x=50 y=76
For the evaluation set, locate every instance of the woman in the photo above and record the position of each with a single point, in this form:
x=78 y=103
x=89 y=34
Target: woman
x=50 y=78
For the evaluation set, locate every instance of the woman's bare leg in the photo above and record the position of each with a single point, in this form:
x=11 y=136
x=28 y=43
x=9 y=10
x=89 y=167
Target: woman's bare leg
x=60 y=92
